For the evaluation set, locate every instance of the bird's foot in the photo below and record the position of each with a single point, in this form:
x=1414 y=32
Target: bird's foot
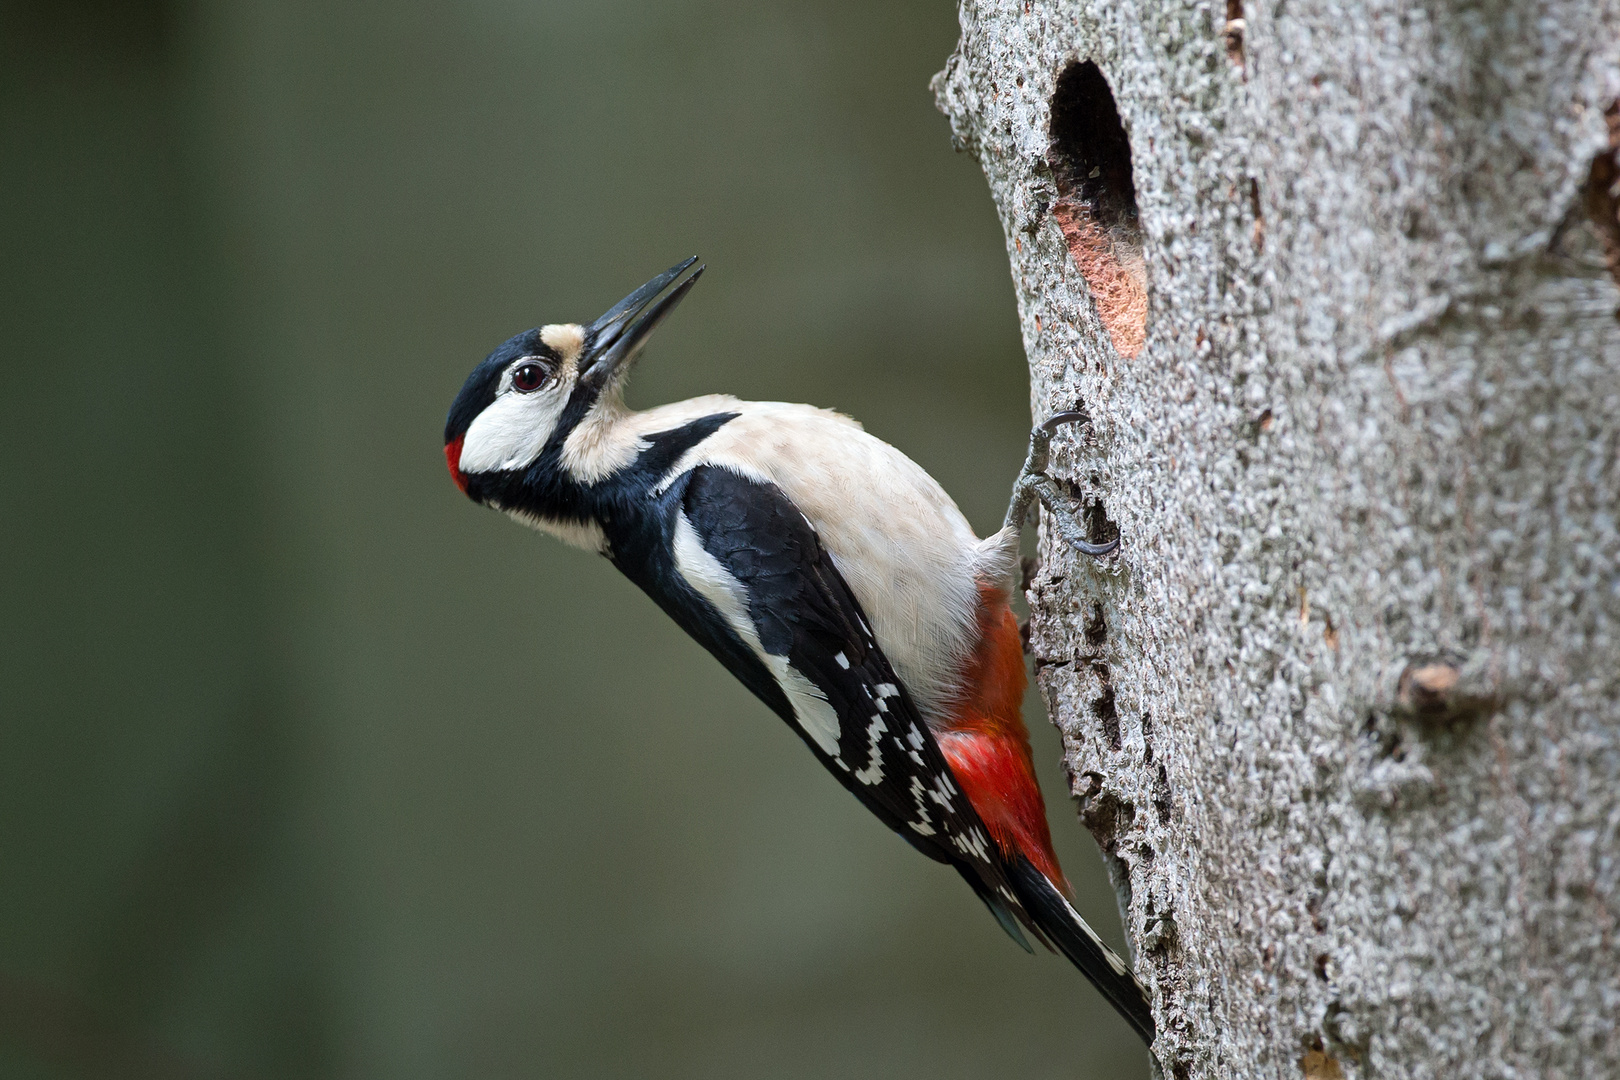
x=1033 y=484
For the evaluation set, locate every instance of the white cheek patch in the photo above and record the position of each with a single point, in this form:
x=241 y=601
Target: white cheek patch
x=512 y=431
x=719 y=587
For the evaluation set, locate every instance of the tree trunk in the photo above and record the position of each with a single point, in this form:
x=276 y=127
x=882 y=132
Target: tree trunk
x=1344 y=711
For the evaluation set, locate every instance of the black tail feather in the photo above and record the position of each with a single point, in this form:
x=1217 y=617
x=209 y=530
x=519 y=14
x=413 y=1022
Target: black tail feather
x=998 y=907
x=1056 y=920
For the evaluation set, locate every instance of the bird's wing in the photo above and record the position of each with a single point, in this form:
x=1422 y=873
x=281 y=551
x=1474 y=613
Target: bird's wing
x=753 y=556
x=742 y=570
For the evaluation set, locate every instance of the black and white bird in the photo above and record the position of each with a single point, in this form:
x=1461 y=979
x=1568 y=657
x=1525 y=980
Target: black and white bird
x=825 y=569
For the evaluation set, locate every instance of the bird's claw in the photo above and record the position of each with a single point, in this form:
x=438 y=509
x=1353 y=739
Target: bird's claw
x=1057 y=420
x=1033 y=484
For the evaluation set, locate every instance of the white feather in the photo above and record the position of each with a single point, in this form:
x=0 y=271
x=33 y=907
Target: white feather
x=510 y=432
x=995 y=559
x=907 y=552
x=610 y=436
x=580 y=534
x=716 y=584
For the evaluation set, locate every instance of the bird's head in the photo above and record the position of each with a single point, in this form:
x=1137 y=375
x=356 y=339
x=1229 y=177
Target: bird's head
x=536 y=387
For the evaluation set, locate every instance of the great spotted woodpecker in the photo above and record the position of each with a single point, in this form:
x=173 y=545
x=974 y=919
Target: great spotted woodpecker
x=825 y=569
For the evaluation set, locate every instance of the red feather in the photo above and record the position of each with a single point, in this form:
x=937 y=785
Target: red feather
x=987 y=744
x=452 y=457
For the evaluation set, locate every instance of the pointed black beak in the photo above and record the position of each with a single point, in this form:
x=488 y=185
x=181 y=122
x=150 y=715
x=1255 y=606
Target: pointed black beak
x=614 y=339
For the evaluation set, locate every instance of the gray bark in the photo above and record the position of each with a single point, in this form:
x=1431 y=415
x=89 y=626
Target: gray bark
x=1344 y=711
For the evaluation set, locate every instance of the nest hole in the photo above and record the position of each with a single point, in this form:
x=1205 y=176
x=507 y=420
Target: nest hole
x=1090 y=159
x=1603 y=193
x=1233 y=31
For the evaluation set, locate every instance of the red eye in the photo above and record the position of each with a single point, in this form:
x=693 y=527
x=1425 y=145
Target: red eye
x=528 y=378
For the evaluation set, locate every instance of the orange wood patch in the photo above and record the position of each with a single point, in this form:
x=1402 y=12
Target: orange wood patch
x=1114 y=270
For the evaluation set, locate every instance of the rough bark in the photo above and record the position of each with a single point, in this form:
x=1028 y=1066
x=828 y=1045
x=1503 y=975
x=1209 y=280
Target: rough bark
x=1344 y=713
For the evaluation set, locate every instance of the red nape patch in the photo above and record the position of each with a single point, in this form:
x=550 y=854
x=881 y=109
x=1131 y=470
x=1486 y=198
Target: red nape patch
x=452 y=457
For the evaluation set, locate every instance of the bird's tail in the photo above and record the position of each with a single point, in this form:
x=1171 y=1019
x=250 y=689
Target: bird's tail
x=1057 y=921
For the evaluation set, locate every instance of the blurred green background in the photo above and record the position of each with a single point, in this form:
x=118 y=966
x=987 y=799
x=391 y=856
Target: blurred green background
x=310 y=768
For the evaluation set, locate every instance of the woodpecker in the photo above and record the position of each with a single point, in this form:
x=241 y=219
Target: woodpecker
x=825 y=569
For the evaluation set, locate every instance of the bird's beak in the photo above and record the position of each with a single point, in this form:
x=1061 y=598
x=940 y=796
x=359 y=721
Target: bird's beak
x=613 y=340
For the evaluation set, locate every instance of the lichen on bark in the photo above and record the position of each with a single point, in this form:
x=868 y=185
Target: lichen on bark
x=1344 y=712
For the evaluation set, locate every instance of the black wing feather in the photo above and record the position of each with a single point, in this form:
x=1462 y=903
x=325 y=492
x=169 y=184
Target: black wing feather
x=803 y=609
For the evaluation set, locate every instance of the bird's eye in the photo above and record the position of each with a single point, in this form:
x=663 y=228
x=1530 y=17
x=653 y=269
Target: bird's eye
x=528 y=378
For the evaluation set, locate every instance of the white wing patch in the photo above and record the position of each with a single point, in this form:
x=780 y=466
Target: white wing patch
x=975 y=844
x=720 y=587
x=810 y=706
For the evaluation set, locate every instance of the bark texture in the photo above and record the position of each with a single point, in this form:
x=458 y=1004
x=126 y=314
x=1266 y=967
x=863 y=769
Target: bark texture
x=1344 y=712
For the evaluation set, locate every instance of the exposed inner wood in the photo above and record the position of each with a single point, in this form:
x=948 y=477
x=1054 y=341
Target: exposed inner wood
x=1112 y=265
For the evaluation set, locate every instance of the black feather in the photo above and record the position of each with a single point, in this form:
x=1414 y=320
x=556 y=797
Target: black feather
x=1063 y=927
x=803 y=610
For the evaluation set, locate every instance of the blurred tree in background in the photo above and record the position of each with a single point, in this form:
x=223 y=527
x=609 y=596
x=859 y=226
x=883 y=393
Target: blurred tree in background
x=312 y=770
